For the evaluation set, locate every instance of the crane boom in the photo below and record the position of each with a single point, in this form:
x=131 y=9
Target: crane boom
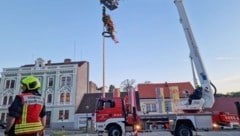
x=207 y=92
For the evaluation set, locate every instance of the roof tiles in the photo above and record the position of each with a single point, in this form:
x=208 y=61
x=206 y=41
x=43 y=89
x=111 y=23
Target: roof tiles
x=148 y=91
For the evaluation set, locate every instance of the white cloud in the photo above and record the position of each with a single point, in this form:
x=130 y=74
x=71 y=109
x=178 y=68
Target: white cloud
x=227 y=58
x=231 y=78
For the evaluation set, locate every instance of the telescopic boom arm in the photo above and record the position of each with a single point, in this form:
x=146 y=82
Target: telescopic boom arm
x=207 y=91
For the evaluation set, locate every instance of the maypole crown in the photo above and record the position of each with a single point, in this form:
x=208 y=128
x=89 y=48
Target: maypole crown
x=110 y=4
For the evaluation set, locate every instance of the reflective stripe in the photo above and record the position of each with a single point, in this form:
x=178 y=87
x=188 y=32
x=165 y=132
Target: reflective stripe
x=24 y=127
x=24 y=114
x=28 y=130
x=28 y=125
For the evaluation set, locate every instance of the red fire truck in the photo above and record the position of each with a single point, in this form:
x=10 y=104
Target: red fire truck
x=117 y=116
x=225 y=120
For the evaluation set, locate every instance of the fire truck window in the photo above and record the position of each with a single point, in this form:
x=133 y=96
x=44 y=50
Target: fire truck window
x=107 y=104
x=112 y=104
x=100 y=105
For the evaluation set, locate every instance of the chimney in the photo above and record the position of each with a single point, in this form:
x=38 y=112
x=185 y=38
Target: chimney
x=67 y=61
x=166 y=84
x=49 y=62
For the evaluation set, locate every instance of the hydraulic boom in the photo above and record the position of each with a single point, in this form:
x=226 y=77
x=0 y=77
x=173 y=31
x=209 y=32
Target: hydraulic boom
x=207 y=91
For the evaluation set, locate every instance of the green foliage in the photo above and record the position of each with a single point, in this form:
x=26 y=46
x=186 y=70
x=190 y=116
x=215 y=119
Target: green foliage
x=220 y=95
x=59 y=133
x=230 y=94
x=234 y=94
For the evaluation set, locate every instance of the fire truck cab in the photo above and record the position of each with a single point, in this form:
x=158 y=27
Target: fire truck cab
x=110 y=116
x=115 y=116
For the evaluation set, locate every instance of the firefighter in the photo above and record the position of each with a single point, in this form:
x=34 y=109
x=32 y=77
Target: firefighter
x=196 y=95
x=27 y=115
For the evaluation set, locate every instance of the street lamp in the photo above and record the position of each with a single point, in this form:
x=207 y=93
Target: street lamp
x=87 y=107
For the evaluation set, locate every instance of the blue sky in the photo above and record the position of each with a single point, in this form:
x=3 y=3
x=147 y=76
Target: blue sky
x=152 y=43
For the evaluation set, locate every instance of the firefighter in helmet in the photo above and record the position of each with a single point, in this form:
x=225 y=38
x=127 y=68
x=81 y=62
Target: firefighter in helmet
x=27 y=115
x=196 y=95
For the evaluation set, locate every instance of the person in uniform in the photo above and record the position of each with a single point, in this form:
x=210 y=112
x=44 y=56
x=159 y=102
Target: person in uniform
x=27 y=114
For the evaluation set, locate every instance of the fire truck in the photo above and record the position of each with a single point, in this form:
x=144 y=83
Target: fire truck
x=193 y=118
x=117 y=116
x=223 y=120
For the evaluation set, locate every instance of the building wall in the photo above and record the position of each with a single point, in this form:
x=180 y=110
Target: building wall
x=93 y=87
x=163 y=97
x=63 y=85
x=82 y=80
x=153 y=106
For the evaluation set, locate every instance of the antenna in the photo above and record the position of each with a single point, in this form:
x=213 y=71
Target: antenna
x=74 y=50
x=32 y=58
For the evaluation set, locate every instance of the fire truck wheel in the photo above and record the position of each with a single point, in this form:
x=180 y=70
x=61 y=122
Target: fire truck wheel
x=114 y=131
x=184 y=130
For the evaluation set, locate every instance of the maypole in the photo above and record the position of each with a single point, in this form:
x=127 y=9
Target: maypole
x=108 y=32
x=103 y=58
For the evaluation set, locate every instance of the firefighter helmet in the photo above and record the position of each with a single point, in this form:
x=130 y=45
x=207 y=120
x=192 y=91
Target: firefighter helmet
x=31 y=82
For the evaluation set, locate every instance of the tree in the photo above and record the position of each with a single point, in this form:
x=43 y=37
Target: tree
x=229 y=94
x=127 y=84
x=220 y=95
x=234 y=94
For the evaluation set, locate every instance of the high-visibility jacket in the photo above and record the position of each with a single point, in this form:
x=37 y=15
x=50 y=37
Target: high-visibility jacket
x=29 y=122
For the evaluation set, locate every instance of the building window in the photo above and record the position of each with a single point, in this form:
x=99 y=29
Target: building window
x=5 y=98
x=50 y=82
x=10 y=100
x=62 y=97
x=60 y=115
x=65 y=97
x=66 y=114
x=49 y=98
x=9 y=84
x=66 y=80
x=3 y=116
x=151 y=107
x=168 y=106
x=63 y=115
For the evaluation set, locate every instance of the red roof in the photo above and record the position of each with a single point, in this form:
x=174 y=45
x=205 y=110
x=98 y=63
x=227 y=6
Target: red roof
x=148 y=91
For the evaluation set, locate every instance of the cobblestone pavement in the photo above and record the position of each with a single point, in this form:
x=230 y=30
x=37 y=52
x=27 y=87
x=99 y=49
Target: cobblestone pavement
x=161 y=133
